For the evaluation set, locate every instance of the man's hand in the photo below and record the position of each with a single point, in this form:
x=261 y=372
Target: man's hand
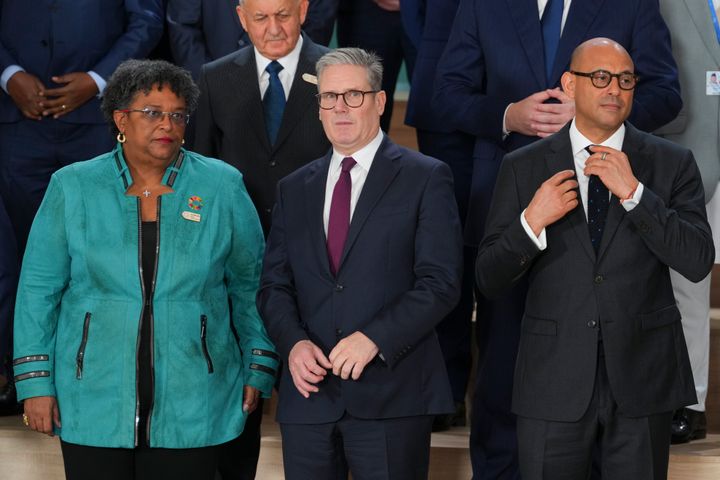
x=24 y=89
x=553 y=200
x=251 y=395
x=389 y=5
x=79 y=88
x=531 y=116
x=307 y=365
x=351 y=355
x=41 y=413
x=614 y=170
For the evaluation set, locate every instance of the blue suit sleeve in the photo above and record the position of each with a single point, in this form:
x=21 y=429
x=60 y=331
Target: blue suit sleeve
x=657 y=97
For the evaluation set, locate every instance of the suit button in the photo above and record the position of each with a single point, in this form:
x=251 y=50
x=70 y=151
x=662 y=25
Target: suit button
x=273 y=163
x=339 y=288
x=599 y=279
x=338 y=332
x=268 y=210
x=523 y=260
x=592 y=324
x=644 y=227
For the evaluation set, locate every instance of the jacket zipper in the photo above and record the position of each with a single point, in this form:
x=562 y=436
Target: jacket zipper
x=79 y=359
x=203 y=341
x=142 y=312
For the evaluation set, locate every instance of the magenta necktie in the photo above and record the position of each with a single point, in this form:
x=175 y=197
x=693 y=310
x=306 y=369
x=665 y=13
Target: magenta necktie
x=339 y=221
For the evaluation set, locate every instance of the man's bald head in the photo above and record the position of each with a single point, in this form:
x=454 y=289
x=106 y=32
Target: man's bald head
x=602 y=104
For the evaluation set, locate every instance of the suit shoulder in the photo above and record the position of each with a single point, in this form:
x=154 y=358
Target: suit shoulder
x=302 y=173
x=227 y=61
x=211 y=167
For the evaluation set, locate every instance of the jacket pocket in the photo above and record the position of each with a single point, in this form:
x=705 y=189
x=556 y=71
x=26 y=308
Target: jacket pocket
x=203 y=342
x=539 y=326
x=659 y=318
x=80 y=358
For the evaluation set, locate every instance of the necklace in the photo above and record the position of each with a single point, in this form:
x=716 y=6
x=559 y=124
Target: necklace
x=146 y=193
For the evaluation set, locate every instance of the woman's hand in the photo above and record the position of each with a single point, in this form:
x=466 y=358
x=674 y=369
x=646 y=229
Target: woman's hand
x=41 y=413
x=251 y=395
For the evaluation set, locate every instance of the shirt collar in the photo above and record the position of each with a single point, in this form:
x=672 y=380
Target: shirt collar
x=289 y=61
x=364 y=157
x=578 y=141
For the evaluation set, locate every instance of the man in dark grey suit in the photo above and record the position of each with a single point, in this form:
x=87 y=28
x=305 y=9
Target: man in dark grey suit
x=602 y=360
x=231 y=117
x=232 y=124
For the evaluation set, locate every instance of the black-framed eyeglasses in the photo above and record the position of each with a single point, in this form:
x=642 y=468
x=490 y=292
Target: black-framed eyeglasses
x=602 y=78
x=352 y=98
x=155 y=116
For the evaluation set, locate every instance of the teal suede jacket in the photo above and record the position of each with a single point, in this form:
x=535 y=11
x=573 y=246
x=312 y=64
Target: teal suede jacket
x=81 y=299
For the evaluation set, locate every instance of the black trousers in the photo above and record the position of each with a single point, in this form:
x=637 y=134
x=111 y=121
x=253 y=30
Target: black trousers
x=143 y=463
x=630 y=448
x=384 y=449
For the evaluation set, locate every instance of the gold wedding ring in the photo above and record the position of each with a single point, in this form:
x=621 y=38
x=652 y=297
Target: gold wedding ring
x=25 y=420
x=64 y=107
x=602 y=157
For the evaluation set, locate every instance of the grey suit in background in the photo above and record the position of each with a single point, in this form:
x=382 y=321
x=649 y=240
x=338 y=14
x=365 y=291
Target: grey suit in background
x=696 y=50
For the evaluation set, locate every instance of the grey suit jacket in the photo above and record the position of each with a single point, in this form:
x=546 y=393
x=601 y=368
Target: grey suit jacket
x=230 y=123
x=624 y=290
x=696 y=50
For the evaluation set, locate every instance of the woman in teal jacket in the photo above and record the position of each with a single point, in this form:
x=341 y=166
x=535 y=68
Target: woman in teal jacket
x=136 y=327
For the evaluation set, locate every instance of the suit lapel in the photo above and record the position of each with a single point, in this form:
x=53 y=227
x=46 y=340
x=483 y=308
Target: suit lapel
x=385 y=166
x=561 y=158
x=315 y=194
x=248 y=93
x=527 y=25
x=700 y=13
x=632 y=147
x=579 y=19
x=302 y=94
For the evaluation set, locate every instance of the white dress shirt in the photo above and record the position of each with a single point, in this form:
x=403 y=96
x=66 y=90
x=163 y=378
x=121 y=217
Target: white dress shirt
x=364 y=158
x=286 y=75
x=578 y=142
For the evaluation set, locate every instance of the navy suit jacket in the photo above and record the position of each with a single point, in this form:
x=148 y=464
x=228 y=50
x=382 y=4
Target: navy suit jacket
x=624 y=289
x=495 y=56
x=399 y=276
x=204 y=30
x=8 y=280
x=55 y=37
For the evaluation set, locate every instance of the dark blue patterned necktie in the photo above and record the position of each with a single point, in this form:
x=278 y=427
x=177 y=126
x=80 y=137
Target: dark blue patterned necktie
x=274 y=101
x=551 y=23
x=597 y=208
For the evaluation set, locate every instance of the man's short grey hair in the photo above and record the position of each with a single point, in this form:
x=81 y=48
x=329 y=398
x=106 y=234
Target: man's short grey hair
x=354 y=56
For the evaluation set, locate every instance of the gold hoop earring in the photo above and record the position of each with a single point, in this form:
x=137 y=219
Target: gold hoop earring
x=183 y=141
x=121 y=137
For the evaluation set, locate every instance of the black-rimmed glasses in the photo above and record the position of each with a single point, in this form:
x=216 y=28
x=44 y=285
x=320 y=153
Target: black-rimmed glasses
x=352 y=98
x=155 y=116
x=602 y=78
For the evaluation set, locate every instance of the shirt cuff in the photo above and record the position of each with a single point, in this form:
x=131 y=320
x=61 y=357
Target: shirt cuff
x=541 y=240
x=7 y=73
x=99 y=81
x=631 y=203
x=505 y=131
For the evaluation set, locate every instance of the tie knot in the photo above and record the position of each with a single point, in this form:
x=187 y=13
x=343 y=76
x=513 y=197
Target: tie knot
x=587 y=149
x=274 y=68
x=347 y=164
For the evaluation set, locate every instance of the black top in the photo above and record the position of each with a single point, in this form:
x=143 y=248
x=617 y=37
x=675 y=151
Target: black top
x=145 y=371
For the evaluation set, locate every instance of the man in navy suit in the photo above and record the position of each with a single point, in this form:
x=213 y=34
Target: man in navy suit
x=428 y=23
x=498 y=81
x=55 y=58
x=362 y=261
